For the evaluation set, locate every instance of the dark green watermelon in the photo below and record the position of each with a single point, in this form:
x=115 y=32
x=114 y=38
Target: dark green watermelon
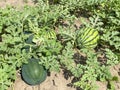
x=33 y=73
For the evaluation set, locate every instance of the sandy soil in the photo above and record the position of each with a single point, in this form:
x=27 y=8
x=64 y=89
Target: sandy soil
x=55 y=81
x=18 y=3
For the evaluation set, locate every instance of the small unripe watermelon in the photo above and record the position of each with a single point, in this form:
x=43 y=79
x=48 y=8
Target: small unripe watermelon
x=50 y=34
x=33 y=73
x=88 y=38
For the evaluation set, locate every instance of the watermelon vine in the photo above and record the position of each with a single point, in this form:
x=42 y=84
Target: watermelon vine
x=46 y=38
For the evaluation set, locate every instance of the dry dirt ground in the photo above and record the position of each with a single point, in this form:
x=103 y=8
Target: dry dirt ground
x=55 y=81
x=18 y=3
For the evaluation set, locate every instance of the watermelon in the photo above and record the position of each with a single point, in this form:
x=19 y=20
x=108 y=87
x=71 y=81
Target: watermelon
x=33 y=73
x=50 y=34
x=88 y=38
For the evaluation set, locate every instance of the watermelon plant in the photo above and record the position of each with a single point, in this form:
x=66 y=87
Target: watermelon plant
x=47 y=33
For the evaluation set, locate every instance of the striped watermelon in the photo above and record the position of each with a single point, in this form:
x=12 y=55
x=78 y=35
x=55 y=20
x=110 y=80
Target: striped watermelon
x=50 y=34
x=44 y=36
x=88 y=38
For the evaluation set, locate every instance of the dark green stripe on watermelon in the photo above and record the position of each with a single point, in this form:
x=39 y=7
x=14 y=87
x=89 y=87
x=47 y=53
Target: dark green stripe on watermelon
x=91 y=45
x=33 y=73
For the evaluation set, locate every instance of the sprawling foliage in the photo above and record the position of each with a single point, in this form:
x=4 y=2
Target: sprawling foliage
x=48 y=32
